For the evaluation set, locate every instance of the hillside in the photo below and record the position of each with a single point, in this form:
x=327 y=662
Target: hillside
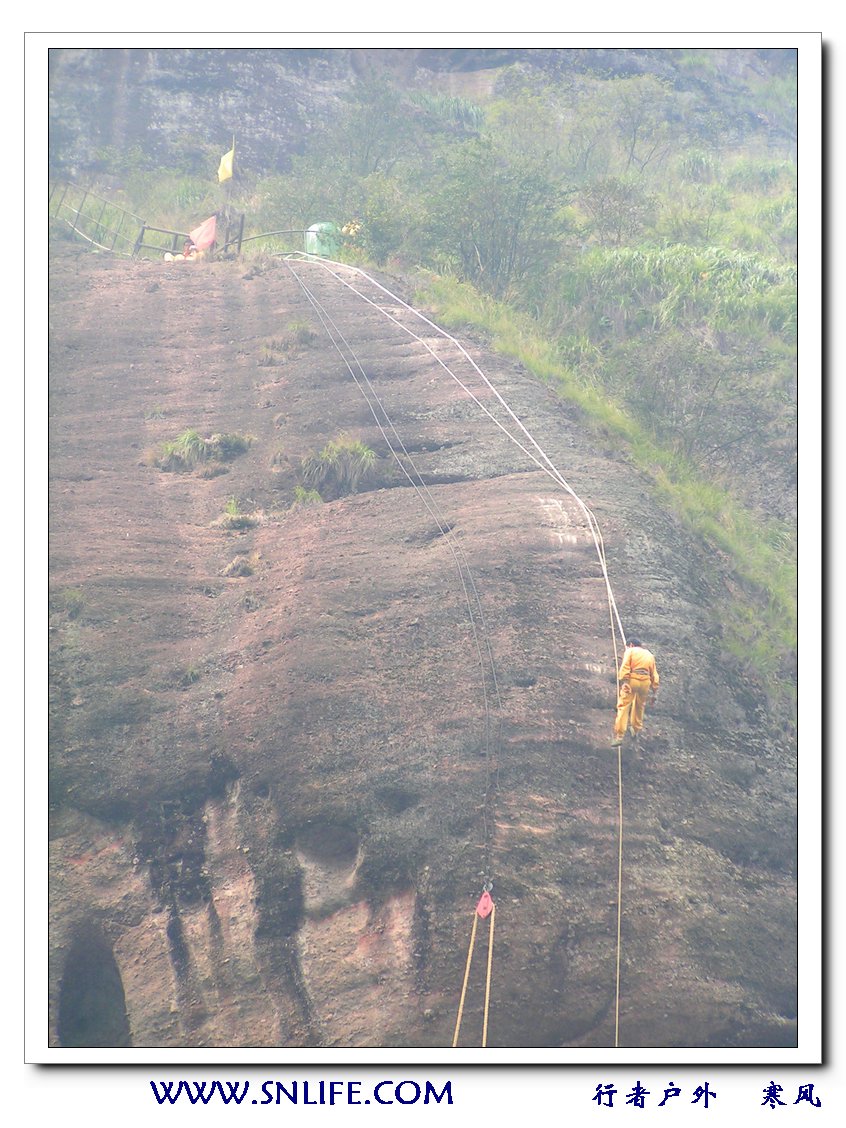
x=634 y=209
x=275 y=796
x=176 y=104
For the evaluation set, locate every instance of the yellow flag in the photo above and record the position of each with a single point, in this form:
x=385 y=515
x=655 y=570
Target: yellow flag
x=224 y=172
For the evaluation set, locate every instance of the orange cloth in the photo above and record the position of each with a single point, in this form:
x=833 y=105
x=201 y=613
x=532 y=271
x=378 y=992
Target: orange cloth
x=638 y=662
x=638 y=674
x=203 y=236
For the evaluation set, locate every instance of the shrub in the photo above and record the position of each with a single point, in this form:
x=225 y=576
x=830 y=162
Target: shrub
x=342 y=467
x=183 y=453
x=234 y=518
x=229 y=446
x=300 y=335
x=269 y=355
x=240 y=566
x=71 y=601
x=188 y=450
x=307 y=497
x=188 y=676
x=698 y=166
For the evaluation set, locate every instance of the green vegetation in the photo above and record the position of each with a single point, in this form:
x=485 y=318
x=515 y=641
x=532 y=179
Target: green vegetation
x=182 y=453
x=233 y=517
x=174 y=196
x=342 y=467
x=188 y=676
x=303 y=496
x=629 y=237
x=269 y=355
x=70 y=601
x=299 y=335
x=228 y=446
x=188 y=450
x=762 y=552
x=453 y=110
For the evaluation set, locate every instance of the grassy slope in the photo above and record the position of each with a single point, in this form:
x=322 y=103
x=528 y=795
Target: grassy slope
x=760 y=624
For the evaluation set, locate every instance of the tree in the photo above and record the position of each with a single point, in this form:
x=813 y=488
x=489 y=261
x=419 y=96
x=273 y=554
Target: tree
x=639 y=108
x=620 y=209
x=377 y=131
x=496 y=216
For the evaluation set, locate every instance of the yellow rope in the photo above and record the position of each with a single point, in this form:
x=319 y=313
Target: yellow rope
x=620 y=829
x=466 y=977
x=488 y=980
x=619 y=888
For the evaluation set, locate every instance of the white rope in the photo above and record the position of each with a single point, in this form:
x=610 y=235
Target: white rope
x=553 y=471
x=549 y=468
x=465 y=574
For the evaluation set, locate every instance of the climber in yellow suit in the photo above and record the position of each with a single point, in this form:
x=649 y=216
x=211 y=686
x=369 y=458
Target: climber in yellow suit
x=638 y=677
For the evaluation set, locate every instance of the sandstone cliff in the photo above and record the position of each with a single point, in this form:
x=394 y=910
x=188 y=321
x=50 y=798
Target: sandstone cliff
x=275 y=795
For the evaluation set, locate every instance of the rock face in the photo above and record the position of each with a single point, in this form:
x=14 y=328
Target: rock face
x=290 y=742
x=180 y=107
x=184 y=105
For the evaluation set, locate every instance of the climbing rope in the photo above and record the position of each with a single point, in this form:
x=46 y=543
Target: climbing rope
x=543 y=461
x=619 y=890
x=546 y=465
x=466 y=977
x=484 y=908
x=488 y=976
x=471 y=593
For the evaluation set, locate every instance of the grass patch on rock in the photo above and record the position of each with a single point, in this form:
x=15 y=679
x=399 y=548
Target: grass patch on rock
x=190 y=451
x=234 y=518
x=344 y=466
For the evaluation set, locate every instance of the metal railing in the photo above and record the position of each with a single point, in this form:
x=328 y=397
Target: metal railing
x=173 y=243
x=95 y=219
x=279 y=242
x=110 y=227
